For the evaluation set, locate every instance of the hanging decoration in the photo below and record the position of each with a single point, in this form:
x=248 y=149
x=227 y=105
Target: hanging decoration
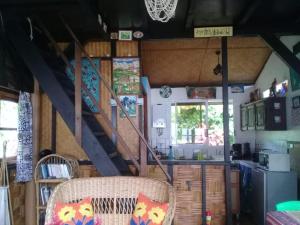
x=24 y=153
x=161 y=10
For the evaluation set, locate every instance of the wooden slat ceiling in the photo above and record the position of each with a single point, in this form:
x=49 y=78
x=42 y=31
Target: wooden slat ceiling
x=183 y=62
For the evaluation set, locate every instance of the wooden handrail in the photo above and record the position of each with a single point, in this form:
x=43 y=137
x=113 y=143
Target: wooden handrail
x=69 y=65
x=115 y=98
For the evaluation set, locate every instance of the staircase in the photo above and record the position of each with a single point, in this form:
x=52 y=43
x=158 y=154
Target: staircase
x=50 y=73
x=49 y=70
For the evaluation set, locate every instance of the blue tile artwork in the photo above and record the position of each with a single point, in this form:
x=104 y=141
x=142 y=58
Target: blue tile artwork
x=90 y=79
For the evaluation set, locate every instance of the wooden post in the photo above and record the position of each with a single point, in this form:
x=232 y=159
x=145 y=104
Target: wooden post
x=226 y=130
x=30 y=196
x=78 y=100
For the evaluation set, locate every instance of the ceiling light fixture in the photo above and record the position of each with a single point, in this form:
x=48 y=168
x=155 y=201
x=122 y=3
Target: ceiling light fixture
x=218 y=68
x=161 y=10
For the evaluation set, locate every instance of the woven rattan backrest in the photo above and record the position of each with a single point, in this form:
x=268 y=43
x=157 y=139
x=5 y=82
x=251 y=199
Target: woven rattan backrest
x=113 y=198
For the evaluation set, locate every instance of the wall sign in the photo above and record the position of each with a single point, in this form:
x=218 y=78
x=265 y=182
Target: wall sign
x=213 y=32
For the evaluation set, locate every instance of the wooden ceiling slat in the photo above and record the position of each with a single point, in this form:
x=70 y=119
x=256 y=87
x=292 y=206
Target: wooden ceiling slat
x=191 y=61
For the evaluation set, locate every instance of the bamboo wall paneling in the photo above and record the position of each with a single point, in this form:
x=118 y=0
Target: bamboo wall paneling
x=88 y=171
x=105 y=70
x=191 y=61
x=53 y=129
x=187 y=183
x=65 y=142
x=105 y=104
x=129 y=134
x=127 y=49
x=17 y=191
x=45 y=120
x=215 y=193
x=155 y=172
x=98 y=49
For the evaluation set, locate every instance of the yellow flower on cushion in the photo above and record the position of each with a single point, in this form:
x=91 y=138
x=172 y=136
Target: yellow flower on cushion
x=156 y=215
x=140 y=209
x=66 y=214
x=86 y=210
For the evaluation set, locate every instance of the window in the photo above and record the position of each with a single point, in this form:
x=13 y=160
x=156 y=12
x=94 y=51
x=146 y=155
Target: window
x=188 y=124
x=8 y=127
x=200 y=123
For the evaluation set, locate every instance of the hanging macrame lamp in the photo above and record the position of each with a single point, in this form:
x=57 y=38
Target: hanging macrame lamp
x=161 y=10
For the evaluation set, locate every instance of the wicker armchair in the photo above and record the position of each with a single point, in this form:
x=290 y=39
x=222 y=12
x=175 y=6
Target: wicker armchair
x=114 y=198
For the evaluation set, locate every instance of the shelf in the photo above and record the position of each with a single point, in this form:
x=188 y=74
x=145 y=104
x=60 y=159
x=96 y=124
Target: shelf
x=52 y=180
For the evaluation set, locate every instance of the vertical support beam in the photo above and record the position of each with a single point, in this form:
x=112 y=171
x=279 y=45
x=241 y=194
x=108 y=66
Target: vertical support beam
x=226 y=130
x=114 y=109
x=143 y=148
x=30 y=196
x=203 y=194
x=78 y=100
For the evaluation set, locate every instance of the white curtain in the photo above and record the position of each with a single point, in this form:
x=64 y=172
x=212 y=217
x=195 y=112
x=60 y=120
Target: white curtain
x=4 y=206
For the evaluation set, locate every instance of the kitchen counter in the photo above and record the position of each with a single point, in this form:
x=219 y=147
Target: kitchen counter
x=248 y=163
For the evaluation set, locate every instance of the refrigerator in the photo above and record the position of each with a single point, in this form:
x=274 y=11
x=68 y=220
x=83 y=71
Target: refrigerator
x=270 y=188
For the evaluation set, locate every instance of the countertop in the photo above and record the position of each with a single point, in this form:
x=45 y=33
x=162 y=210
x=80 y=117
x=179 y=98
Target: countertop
x=247 y=163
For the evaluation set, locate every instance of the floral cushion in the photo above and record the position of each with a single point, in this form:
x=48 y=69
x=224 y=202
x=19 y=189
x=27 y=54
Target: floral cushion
x=148 y=212
x=80 y=213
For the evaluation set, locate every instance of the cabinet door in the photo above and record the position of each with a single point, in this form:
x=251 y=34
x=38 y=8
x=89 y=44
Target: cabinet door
x=259 y=195
x=251 y=117
x=260 y=116
x=244 y=118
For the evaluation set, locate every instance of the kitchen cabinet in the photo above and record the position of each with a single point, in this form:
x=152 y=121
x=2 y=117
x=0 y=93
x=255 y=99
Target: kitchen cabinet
x=275 y=111
x=251 y=116
x=260 y=115
x=267 y=114
x=244 y=118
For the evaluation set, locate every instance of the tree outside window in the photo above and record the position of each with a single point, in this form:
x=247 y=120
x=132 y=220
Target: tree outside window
x=200 y=124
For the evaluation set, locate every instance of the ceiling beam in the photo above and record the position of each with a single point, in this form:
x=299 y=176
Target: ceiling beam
x=248 y=12
x=284 y=53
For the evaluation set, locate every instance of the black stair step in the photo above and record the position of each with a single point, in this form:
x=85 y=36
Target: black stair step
x=113 y=155
x=99 y=134
x=87 y=113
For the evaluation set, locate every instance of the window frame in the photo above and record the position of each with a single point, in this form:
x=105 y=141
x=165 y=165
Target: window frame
x=206 y=103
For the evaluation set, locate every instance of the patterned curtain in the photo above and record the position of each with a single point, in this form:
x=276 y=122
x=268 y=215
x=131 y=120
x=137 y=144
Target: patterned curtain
x=24 y=154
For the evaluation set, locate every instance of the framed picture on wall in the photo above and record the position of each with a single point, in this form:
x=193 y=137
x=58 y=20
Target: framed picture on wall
x=126 y=76
x=296 y=102
x=129 y=102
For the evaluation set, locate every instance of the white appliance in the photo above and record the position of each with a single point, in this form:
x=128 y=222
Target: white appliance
x=274 y=161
